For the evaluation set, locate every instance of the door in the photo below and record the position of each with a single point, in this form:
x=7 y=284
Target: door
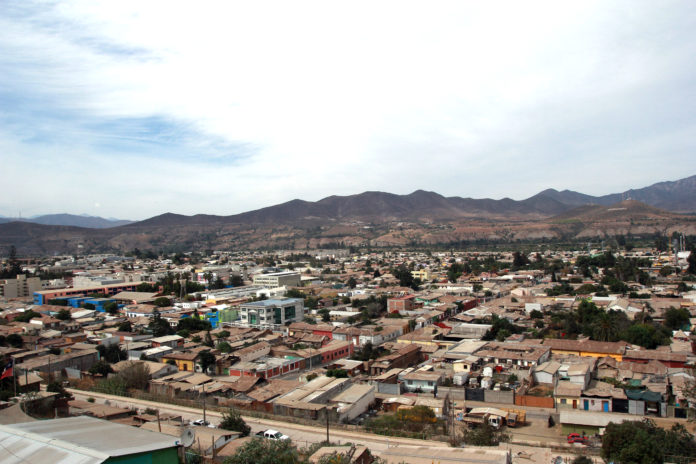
x=605 y=406
x=575 y=404
x=586 y=405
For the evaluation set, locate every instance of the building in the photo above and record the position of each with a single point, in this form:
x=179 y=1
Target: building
x=268 y=313
x=44 y=296
x=278 y=279
x=85 y=440
x=420 y=381
x=183 y=361
x=402 y=303
x=20 y=287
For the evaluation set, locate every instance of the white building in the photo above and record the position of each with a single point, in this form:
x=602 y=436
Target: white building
x=267 y=313
x=278 y=279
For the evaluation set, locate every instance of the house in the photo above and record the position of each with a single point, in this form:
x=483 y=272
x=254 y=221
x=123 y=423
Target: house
x=184 y=361
x=172 y=341
x=354 y=454
x=586 y=348
x=515 y=354
x=404 y=356
x=402 y=303
x=546 y=372
x=420 y=381
x=667 y=358
x=600 y=396
x=353 y=401
x=567 y=395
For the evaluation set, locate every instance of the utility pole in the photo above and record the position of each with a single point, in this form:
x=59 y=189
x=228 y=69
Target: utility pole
x=327 y=425
x=14 y=376
x=203 y=402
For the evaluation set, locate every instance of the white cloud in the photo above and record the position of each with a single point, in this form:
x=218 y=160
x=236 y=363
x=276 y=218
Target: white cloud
x=243 y=106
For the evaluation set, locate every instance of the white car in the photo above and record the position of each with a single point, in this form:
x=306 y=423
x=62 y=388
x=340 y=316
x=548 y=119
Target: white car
x=203 y=423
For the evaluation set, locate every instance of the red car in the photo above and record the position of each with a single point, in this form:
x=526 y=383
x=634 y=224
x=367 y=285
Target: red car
x=577 y=438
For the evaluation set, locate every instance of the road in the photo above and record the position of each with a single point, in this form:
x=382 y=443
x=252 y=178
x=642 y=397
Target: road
x=392 y=448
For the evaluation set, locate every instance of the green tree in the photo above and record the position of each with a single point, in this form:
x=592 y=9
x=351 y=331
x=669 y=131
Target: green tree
x=101 y=367
x=232 y=420
x=26 y=316
x=676 y=318
x=206 y=359
x=125 y=326
x=352 y=283
x=691 y=269
x=159 y=326
x=645 y=443
x=162 y=302
x=63 y=315
x=112 y=353
x=111 y=308
x=223 y=347
x=14 y=340
x=485 y=435
x=325 y=315
x=260 y=451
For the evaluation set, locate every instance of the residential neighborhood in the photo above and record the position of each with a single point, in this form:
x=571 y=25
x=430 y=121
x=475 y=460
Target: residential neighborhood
x=347 y=339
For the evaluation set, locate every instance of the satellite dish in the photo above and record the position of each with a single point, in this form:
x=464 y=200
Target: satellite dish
x=187 y=437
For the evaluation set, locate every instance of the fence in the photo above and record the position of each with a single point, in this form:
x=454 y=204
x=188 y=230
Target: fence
x=477 y=394
x=535 y=401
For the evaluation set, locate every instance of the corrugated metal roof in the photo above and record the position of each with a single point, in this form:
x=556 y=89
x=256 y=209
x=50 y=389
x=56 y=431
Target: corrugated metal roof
x=92 y=436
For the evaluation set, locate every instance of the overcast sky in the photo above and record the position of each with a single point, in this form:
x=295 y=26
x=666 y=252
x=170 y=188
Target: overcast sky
x=130 y=109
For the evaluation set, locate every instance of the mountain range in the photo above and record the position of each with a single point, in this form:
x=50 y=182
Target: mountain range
x=379 y=218
x=82 y=220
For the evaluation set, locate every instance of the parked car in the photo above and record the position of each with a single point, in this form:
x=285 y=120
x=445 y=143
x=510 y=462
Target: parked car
x=272 y=435
x=577 y=438
x=203 y=423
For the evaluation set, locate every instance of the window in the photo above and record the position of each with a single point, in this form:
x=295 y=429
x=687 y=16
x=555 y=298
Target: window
x=563 y=401
x=409 y=382
x=430 y=384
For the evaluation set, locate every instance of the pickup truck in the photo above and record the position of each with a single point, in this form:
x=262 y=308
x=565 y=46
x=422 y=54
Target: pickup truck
x=272 y=435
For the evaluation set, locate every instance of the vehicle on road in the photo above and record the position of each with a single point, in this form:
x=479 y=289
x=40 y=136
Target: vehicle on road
x=203 y=423
x=577 y=438
x=272 y=435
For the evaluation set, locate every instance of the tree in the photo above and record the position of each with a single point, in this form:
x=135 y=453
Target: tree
x=14 y=340
x=193 y=324
x=135 y=375
x=125 y=326
x=63 y=315
x=232 y=420
x=159 y=327
x=485 y=435
x=582 y=460
x=56 y=387
x=352 y=282
x=325 y=315
x=676 y=318
x=259 y=451
x=162 y=302
x=206 y=359
x=645 y=443
x=101 y=368
x=692 y=262
x=208 y=340
x=112 y=353
x=223 y=347
x=111 y=308
x=26 y=316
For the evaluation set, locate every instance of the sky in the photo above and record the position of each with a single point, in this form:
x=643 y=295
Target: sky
x=131 y=109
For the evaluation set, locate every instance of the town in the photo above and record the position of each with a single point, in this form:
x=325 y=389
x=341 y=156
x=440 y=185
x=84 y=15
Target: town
x=550 y=349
